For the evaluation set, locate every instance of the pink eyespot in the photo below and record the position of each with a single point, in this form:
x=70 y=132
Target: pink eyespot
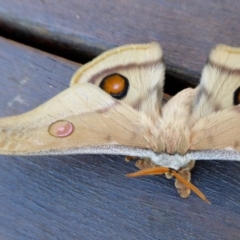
x=61 y=128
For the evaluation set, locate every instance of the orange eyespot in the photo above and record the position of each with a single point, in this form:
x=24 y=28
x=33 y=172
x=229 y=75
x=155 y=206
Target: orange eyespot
x=61 y=128
x=236 y=96
x=116 y=85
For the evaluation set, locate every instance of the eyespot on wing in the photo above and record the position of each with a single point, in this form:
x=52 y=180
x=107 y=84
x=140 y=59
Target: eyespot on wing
x=116 y=85
x=61 y=128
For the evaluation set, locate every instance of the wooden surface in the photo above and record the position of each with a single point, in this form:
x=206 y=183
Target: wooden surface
x=88 y=197
x=83 y=29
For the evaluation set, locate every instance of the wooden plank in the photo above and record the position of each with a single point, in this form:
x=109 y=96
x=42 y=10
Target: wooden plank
x=186 y=30
x=88 y=197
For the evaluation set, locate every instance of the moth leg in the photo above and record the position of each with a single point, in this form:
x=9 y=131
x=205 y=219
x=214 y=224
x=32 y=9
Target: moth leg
x=144 y=163
x=131 y=158
x=186 y=173
x=141 y=163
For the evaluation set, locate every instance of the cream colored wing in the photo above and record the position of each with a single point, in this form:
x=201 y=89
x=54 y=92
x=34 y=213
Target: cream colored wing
x=81 y=119
x=220 y=82
x=220 y=130
x=216 y=132
x=133 y=73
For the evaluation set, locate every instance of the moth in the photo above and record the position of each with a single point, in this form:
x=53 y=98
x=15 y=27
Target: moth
x=114 y=105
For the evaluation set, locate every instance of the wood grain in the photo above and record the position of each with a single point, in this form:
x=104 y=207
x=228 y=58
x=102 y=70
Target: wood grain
x=82 y=29
x=88 y=197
